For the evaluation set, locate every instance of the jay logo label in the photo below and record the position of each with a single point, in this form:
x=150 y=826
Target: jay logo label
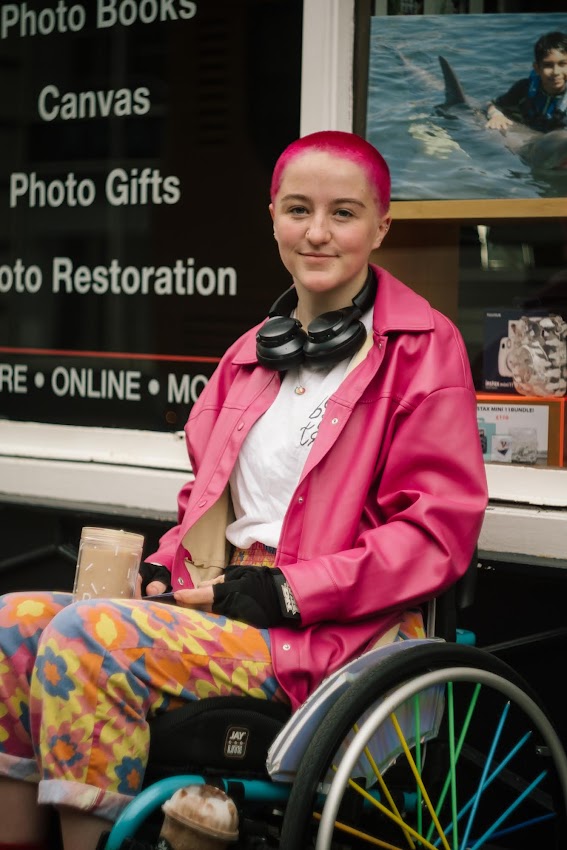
x=236 y=742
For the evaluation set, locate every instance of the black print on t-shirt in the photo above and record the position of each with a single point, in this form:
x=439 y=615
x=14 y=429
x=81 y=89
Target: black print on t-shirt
x=309 y=431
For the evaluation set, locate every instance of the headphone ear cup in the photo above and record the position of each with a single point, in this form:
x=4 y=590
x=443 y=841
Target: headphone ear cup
x=333 y=337
x=280 y=342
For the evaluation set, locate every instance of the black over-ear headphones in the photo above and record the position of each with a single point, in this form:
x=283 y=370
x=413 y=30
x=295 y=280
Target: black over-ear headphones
x=281 y=342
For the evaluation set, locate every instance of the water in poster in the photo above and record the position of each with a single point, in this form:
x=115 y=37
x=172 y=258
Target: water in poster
x=438 y=150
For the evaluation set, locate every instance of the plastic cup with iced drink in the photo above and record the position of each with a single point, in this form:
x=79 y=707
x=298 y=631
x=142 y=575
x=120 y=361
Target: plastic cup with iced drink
x=107 y=564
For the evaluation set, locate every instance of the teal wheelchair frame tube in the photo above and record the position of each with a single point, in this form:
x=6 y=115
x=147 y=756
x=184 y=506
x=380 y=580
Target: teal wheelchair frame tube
x=255 y=790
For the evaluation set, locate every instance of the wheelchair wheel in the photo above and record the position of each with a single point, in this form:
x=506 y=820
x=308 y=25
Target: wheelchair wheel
x=440 y=746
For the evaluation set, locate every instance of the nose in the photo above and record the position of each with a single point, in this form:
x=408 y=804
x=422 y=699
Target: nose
x=318 y=230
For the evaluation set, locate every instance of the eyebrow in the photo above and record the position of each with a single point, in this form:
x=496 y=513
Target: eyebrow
x=293 y=197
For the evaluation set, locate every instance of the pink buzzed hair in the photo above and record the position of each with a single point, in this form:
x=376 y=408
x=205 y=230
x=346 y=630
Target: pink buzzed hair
x=342 y=144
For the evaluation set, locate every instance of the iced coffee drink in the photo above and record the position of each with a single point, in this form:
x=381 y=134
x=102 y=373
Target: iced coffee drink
x=108 y=563
x=199 y=817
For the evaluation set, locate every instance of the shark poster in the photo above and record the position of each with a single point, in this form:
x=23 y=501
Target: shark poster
x=431 y=79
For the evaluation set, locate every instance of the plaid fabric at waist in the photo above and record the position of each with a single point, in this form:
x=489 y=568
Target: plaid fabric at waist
x=257 y=555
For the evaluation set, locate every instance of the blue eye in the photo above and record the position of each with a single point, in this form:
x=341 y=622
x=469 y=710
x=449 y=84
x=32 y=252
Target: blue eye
x=343 y=213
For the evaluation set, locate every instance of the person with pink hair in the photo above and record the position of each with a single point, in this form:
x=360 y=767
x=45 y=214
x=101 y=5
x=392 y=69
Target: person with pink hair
x=338 y=485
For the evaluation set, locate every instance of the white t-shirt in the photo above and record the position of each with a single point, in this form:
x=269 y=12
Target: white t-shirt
x=272 y=457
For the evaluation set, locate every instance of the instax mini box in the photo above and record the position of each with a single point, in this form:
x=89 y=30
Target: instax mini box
x=496 y=373
x=525 y=353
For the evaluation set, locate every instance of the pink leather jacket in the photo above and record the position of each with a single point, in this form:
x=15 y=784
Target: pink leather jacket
x=392 y=497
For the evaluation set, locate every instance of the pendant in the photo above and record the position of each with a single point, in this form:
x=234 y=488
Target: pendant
x=299 y=390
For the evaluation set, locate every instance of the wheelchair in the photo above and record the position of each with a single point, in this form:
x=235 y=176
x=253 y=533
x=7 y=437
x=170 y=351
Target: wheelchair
x=431 y=743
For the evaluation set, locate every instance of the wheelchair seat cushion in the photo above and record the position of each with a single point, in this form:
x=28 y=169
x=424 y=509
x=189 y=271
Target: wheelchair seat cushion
x=218 y=733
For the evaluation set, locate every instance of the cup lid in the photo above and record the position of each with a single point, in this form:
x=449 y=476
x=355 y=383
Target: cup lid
x=112 y=535
x=205 y=809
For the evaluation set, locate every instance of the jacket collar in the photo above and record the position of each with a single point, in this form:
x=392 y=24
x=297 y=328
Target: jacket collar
x=399 y=308
x=396 y=308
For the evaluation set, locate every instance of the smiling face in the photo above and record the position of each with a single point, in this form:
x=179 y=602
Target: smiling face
x=552 y=71
x=326 y=223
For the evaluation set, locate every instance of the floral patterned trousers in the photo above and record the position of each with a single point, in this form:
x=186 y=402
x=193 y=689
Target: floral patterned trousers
x=79 y=681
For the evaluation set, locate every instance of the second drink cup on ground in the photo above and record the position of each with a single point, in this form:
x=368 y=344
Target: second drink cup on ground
x=108 y=563
x=198 y=817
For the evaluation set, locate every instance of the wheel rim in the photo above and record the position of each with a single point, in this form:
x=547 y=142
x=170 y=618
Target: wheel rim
x=454 y=818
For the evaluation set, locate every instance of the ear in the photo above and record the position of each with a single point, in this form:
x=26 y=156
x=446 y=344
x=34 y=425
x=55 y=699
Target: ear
x=271 y=208
x=383 y=227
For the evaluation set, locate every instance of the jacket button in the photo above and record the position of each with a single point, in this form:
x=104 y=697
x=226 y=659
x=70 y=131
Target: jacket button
x=240 y=426
x=202 y=503
x=334 y=421
x=180 y=581
x=286 y=647
x=300 y=500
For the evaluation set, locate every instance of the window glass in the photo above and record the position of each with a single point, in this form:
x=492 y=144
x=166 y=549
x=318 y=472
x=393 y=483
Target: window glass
x=137 y=147
x=510 y=265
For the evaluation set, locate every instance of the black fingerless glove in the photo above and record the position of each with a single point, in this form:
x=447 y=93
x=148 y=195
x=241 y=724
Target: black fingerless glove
x=154 y=572
x=259 y=596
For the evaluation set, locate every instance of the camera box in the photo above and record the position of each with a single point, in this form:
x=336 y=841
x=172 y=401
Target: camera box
x=522 y=429
x=496 y=376
x=525 y=352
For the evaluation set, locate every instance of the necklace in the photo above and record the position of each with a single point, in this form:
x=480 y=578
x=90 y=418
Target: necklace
x=300 y=388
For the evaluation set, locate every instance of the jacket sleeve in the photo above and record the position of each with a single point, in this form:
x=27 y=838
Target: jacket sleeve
x=420 y=522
